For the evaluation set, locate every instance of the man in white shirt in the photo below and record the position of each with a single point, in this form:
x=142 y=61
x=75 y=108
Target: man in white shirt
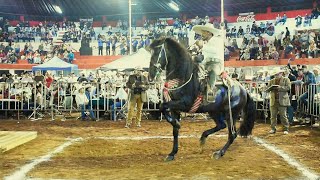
x=118 y=101
x=316 y=75
x=118 y=79
x=153 y=94
x=83 y=101
x=212 y=48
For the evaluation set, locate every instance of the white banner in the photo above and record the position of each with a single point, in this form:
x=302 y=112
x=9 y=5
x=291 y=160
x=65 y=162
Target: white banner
x=86 y=20
x=248 y=18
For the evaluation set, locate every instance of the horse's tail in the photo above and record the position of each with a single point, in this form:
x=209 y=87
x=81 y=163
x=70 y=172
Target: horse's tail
x=248 y=117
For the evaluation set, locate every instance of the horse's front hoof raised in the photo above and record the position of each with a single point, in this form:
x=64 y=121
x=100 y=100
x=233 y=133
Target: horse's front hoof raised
x=169 y=158
x=217 y=155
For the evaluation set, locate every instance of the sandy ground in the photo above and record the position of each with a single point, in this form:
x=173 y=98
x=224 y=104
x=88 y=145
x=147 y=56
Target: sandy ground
x=95 y=158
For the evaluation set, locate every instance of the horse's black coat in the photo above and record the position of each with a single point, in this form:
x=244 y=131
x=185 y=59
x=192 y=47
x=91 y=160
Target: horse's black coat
x=177 y=62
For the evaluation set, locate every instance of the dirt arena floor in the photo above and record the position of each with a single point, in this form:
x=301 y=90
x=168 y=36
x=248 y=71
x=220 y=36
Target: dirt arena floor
x=106 y=150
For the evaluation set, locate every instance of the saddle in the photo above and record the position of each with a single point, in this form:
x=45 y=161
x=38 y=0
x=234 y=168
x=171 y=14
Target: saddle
x=209 y=92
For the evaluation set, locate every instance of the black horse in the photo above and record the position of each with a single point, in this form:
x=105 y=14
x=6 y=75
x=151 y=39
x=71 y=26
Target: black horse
x=169 y=55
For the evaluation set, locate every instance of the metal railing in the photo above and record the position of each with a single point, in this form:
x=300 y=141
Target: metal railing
x=59 y=98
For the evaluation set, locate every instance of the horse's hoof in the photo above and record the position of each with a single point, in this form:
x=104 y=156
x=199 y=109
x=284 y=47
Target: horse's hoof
x=169 y=158
x=202 y=143
x=217 y=155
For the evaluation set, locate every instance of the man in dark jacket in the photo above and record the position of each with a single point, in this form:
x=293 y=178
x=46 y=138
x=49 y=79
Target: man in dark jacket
x=138 y=84
x=308 y=81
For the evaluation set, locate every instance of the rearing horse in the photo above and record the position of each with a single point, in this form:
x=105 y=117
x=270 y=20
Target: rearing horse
x=184 y=89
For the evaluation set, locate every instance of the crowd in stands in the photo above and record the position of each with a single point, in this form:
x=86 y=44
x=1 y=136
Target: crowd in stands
x=12 y=52
x=256 y=43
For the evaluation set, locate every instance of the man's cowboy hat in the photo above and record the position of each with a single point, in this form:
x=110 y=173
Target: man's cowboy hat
x=277 y=71
x=80 y=87
x=138 y=68
x=208 y=27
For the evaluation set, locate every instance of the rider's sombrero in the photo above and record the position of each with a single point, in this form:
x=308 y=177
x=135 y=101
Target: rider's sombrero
x=277 y=71
x=207 y=27
x=138 y=68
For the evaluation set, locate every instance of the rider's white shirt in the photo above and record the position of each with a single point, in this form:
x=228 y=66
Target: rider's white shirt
x=213 y=50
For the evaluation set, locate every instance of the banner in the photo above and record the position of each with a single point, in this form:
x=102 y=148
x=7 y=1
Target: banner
x=86 y=20
x=247 y=18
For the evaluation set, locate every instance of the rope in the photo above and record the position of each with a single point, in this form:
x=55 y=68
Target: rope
x=230 y=111
x=179 y=87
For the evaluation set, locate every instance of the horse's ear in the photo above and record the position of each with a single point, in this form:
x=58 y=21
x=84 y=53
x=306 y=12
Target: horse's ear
x=157 y=42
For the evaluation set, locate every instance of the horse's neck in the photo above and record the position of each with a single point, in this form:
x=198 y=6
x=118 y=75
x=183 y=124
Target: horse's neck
x=176 y=73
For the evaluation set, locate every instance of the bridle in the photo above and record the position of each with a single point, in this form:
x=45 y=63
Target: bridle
x=159 y=67
x=158 y=64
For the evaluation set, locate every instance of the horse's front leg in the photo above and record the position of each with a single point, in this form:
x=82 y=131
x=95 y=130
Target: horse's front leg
x=175 y=122
x=174 y=106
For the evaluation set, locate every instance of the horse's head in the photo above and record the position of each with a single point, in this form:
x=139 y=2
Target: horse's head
x=159 y=59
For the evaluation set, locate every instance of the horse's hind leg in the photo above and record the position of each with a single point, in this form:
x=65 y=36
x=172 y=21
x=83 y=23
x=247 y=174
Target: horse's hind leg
x=232 y=135
x=220 y=124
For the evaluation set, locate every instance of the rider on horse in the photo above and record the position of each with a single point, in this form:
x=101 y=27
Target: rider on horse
x=212 y=47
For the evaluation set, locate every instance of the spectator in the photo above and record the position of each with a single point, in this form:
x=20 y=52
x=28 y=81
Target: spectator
x=233 y=32
x=278 y=19
x=108 y=45
x=226 y=54
x=248 y=30
x=118 y=101
x=100 y=45
x=307 y=20
x=274 y=55
x=254 y=29
x=245 y=55
x=313 y=50
x=270 y=29
x=83 y=101
x=316 y=75
x=279 y=39
x=37 y=58
x=3 y=78
x=287 y=35
x=134 y=45
x=304 y=50
x=279 y=101
x=284 y=18
x=113 y=43
x=82 y=78
x=262 y=27
x=240 y=32
x=49 y=79
x=298 y=21
x=70 y=57
x=315 y=13
x=137 y=83
x=309 y=79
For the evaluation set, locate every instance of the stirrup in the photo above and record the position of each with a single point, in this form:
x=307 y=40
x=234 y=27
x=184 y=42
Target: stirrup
x=211 y=95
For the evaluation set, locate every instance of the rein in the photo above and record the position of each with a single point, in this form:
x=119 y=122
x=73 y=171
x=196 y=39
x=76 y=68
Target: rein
x=179 y=87
x=159 y=69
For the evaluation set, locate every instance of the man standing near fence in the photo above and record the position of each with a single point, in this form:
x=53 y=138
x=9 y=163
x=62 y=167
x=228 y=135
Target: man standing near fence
x=138 y=84
x=308 y=81
x=100 y=46
x=279 y=87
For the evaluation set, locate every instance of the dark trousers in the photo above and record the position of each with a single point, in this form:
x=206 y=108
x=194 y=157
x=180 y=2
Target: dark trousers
x=100 y=50
x=290 y=114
